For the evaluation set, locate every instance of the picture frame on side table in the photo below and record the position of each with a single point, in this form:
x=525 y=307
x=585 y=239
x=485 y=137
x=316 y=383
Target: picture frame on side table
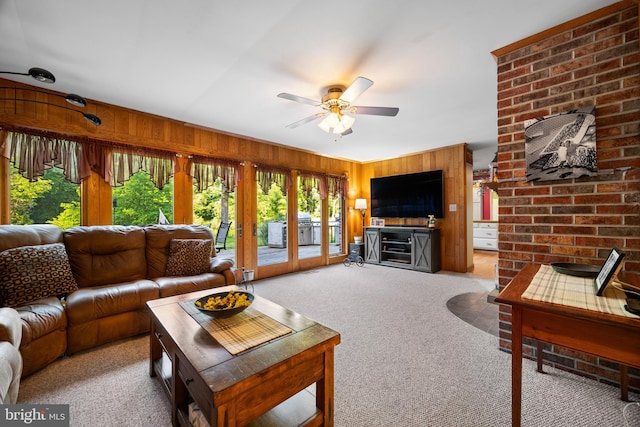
x=611 y=265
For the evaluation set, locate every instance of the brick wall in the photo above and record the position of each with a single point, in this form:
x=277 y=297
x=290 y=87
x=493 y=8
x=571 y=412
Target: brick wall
x=593 y=60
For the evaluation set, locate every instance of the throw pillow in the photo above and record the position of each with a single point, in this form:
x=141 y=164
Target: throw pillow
x=188 y=257
x=28 y=273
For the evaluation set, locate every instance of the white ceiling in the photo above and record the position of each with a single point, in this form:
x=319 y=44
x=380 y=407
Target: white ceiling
x=220 y=64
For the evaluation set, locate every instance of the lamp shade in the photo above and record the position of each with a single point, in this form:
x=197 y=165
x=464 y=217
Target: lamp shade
x=361 y=204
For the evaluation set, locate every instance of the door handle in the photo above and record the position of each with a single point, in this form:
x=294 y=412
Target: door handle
x=255 y=229
x=239 y=229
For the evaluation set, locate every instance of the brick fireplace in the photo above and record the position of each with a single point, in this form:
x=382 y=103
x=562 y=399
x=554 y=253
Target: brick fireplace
x=591 y=60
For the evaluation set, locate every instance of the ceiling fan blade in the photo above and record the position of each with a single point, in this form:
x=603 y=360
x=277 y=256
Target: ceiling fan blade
x=300 y=99
x=306 y=120
x=356 y=89
x=375 y=111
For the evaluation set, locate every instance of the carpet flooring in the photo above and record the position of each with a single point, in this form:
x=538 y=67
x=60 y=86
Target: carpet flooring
x=404 y=360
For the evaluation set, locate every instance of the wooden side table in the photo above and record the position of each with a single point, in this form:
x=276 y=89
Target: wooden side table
x=606 y=335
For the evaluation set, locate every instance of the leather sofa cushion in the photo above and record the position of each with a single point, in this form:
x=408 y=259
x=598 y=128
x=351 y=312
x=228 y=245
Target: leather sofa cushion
x=13 y=236
x=102 y=255
x=41 y=317
x=158 y=244
x=170 y=286
x=87 y=304
x=219 y=265
x=38 y=354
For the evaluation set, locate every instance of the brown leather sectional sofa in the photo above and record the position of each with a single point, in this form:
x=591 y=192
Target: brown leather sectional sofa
x=117 y=269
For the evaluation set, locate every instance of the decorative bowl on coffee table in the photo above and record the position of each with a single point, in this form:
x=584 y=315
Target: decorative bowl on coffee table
x=220 y=311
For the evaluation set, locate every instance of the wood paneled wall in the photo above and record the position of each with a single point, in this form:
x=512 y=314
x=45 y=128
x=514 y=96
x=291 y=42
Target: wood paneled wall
x=457 y=251
x=135 y=128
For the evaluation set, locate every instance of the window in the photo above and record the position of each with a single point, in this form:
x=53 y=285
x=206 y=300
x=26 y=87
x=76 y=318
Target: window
x=45 y=176
x=272 y=207
x=335 y=200
x=139 y=202
x=214 y=198
x=309 y=217
x=49 y=199
x=211 y=207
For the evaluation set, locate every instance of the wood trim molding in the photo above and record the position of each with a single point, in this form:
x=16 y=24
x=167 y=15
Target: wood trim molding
x=5 y=190
x=589 y=17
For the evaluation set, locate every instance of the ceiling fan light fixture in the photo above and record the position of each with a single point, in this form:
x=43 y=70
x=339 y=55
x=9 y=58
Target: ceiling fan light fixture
x=335 y=103
x=336 y=123
x=324 y=126
x=347 y=121
x=333 y=119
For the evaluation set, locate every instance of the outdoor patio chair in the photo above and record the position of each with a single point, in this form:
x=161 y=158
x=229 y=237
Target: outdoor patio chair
x=221 y=236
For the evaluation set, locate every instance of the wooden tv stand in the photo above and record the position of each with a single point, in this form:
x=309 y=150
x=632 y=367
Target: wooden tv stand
x=415 y=248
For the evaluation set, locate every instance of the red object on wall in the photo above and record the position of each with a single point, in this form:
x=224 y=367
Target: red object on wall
x=486 y=204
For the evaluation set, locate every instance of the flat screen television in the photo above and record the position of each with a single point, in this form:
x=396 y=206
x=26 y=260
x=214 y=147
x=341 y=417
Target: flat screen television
x=414 y=195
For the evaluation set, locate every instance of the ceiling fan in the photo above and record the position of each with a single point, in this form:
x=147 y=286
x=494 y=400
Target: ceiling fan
x=336 y=104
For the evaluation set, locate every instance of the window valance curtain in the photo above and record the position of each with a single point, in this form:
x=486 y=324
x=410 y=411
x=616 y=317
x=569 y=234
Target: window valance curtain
x=205 y=171
x=326 y=185
x=337 y=186
x=115 y=163
x=32 y=154
x=310 y=180
x=267 y=175
x=126 y=164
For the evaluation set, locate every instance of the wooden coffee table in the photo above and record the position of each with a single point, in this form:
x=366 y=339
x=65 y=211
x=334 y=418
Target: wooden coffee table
x=265 y=385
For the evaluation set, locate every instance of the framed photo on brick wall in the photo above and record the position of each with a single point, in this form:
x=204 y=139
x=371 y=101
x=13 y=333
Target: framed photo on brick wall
x=561 y=146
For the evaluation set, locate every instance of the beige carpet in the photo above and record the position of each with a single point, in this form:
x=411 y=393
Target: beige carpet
x=108 y=386
x=404 y=360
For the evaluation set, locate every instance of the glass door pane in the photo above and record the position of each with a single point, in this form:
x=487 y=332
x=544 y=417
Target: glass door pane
x=336 y=225
x=272 y=226
x=309 y=224
x=215 y=207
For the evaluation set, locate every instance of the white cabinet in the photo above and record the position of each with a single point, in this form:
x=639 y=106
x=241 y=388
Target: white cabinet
x=485 y=235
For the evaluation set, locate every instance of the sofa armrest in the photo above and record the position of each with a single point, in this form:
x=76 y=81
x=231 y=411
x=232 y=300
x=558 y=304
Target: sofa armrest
x=10 y=373
x=218 y=265
x=10 y=326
